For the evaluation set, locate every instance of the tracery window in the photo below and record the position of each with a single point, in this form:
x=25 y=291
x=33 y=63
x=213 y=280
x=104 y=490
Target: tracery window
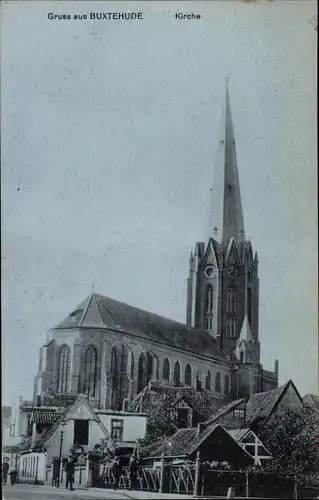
x=177 y=373
x=231 y=328
x=208 y=323
x=188 y=374
x=89 y=383
x=209 y=299
x=166 y=370
x=231 y=300
x=64 y=360
x=217 y=383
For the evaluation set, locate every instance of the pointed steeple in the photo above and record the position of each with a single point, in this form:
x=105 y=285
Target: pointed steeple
x=226 y=214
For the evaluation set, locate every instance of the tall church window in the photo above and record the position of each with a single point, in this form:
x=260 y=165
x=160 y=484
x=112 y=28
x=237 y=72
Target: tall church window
x=217 y=383
x=209 y=299
x=188 y=374
x=114 y=377
x=226 y=384
x=231 y=328
x=231 y=300
x=208 y=384
x=241 y=357
x=208 y=323
x=249 y=304
x=166 y=370
x=156 y=366
x=64 y=360
x=145 y=370
x=248 y=355
x=132 y=365
x=90 y=371
x=177 y=374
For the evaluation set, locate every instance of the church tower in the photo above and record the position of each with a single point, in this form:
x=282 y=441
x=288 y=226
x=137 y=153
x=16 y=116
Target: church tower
x=223 y=283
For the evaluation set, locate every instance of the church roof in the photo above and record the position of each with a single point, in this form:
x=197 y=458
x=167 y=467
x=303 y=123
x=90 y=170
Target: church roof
x=155 y=396
x=98 y=311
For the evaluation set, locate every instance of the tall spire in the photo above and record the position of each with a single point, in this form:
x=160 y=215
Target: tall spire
x=226 y=214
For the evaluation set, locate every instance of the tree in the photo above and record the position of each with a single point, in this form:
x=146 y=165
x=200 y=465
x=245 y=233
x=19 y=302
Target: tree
x=161 y=423
x=293 y=439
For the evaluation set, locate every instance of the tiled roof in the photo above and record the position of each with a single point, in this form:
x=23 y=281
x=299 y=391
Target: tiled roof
x=224 y=410
x=155 y=396
x=97 y=311
x=186 y=442
x=261 y=405
x=45 y=416
x=41 y=443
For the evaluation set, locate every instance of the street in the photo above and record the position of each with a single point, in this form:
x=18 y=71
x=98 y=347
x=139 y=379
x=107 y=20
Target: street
x=32 y=492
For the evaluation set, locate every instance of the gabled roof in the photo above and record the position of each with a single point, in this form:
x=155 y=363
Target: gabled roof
x=65 y=415
x=97 y=311
x=186 y=442
x=223 y=411
x=155 y=396
x=261 y=405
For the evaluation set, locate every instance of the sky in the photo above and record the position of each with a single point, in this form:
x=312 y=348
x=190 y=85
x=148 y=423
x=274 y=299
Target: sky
x=109 y=136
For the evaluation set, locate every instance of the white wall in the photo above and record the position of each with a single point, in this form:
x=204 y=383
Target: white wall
x=134 y=426
x=32 y=467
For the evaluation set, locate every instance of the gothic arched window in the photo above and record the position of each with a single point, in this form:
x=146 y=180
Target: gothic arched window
x=217 y=383
x=226 y=384
x=64 y=360
x=209 y=299
x=156 y=366
x=166 y=370
x=188 y=374
x=231 y=328
x=145 y=370
x=177 y=374
x=132 y=365
x=208 y=384
x=249 y=304
x=242 y=357
x=89 y=383
x=231 y=300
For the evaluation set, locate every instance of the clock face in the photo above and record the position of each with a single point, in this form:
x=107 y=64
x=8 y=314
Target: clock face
x=232 y=271
x=209 y=271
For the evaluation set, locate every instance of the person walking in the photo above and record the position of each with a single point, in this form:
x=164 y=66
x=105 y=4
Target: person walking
x=5 y=471
x=69 y=472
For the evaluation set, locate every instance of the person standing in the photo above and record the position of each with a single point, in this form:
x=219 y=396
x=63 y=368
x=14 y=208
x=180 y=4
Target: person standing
x=5 y=471
x=133 y=472
x=116 y=469
x=69 y=473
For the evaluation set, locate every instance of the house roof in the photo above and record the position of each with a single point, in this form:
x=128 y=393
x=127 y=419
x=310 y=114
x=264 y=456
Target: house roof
x=261 y=405
x=311 y=400
x=239 y=434
x=155 y=396
x=186 y=442
x=45 y=416
x=224 y=410
x=97 y=311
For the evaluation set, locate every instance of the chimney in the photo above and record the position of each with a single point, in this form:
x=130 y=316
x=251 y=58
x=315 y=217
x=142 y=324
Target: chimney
x=277 y=368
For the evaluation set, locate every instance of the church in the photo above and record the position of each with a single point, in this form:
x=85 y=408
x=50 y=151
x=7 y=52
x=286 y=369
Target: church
x=111 y=351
